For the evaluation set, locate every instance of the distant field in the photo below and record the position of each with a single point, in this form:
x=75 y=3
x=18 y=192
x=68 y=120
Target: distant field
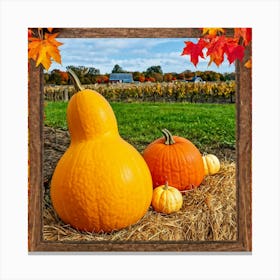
x=209 y=126
x=210 y=92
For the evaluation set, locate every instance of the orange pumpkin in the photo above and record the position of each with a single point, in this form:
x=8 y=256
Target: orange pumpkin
x=176 y=160
x=101 y=183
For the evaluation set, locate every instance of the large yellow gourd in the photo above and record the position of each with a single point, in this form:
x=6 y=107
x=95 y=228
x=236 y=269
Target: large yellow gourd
x=101 y=183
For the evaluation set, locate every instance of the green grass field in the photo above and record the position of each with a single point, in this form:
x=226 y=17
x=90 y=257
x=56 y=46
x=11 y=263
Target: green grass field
x=208 y=126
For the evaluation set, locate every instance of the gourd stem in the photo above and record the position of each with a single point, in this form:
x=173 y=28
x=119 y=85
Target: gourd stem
x=75 y=80
x=169 y=140
x=165 y=186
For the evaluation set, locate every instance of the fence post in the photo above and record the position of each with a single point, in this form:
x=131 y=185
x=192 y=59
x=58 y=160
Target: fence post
x=66 y=95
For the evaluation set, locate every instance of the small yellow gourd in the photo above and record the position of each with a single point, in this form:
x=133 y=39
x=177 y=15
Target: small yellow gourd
x=211 y=164
x=167 y=199
x=101 y=183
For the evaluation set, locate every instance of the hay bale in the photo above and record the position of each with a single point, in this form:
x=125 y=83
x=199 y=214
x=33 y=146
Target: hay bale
x=208 y=214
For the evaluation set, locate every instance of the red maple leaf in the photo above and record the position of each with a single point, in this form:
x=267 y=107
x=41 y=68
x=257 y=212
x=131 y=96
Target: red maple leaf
x=216 y=49
x=194 y=50
x=218 y=45
x=233 y=50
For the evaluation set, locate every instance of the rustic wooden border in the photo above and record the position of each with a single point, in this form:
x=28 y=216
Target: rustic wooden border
x=244 y=155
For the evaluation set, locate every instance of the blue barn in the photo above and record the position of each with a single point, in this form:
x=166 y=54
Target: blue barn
x=121 y=78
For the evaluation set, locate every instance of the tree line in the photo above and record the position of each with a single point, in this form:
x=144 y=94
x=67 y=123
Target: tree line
x=91 y=75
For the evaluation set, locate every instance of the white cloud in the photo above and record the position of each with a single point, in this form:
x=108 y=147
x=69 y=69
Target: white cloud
x=113 y=44
x=140 y=51
x=131 y=54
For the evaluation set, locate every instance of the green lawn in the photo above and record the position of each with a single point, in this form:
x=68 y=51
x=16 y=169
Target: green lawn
x=208 y=126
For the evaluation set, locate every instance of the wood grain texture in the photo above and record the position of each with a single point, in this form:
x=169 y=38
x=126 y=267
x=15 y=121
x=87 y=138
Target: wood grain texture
x=35 y=128
x=159 y=246
x=132 y=32
x=244 y=155
x=244 y=151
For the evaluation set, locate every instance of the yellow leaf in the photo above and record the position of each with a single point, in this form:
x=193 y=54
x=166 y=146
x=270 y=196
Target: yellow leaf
x=50 y=29
x=212 y=31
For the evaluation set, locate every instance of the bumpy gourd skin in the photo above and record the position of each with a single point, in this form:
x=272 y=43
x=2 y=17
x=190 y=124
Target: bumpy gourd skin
x=101 y=183
x=167 y=199
x=211 y=164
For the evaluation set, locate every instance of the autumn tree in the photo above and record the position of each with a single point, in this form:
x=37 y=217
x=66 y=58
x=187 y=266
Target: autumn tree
x=117 y=69
x=154 y=69
x=229 y=76
x=87 y=75
x=102 y=79
x=181 y=76
x=167 y=77
x=64 y=77
x=157 y=76
x=79 y=70
x=55 y=77
x=93 y=71
x=141 y=78
x=188 y=74
x=136 y=75
x=46 y=77
x=150 y=79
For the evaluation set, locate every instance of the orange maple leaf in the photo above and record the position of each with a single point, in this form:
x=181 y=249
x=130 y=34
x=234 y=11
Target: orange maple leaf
x=44 y=50
x=248 y=63
x=245 y=33
x=212 y=31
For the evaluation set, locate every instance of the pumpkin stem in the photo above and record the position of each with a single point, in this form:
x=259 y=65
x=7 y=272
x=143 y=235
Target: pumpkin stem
x=165 y=186
x=75 y=80
x=169 y=140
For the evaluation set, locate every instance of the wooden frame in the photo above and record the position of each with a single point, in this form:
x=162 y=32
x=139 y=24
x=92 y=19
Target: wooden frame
x=244 y=154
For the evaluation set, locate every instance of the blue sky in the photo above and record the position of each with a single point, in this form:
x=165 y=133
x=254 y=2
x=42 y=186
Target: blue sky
x=132 y=55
